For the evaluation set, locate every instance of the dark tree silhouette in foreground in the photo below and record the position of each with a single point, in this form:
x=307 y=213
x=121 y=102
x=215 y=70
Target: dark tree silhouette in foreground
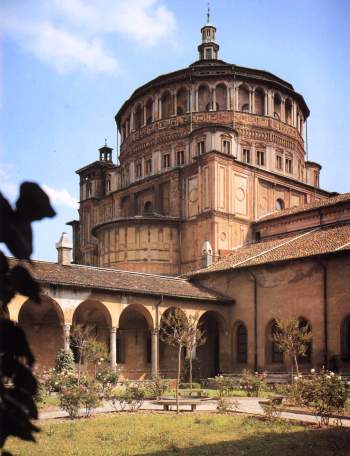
x=18 y=385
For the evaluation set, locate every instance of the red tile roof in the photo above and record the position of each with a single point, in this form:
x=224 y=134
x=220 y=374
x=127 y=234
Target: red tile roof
x=317 y=241
x=117 y=280
x=334 y=200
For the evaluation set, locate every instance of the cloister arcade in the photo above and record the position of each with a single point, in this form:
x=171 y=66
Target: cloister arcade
x=131 y=332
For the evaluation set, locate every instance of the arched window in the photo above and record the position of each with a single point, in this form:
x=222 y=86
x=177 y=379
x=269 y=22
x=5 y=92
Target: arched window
x=241 y=344
x=221 y=97
x=204 y=99
x=167 y=105
x=148 y=207
x=345 y=339
x=243 y=98
x=149 y=111
x=274 y=353
x=279 y=204
x=288 y=111
x=277 y=106
x=259 y=101
x=181 y=98
x=304 y=325
x=138 y=117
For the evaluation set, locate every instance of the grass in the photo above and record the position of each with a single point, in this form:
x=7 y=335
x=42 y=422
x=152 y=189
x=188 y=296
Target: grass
x=159 y=434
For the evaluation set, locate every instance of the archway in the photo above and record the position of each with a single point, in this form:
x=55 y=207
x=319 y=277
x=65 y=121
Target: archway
x=243 y=98
x=204 y=99
x=134 y=343
x=168 y=353
x=209 y=354
x=221 y=97
x=305 y=325
x=167 y=105
x=43 y=326
x=149 y=111
x=259 y=101
x=138 y=117
x=277 y=106
x=288 y=111
x=93 y=314
x=181 y=98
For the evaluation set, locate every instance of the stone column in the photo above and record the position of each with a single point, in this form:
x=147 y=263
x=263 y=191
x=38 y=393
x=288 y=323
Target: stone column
x=155 y=335
x=250 y=101
x=144 y=115
x=213 y=99
x=113 y=347
x=175 y=103
x=66 y=335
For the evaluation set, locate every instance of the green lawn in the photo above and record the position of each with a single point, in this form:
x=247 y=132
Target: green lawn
x=160 y=434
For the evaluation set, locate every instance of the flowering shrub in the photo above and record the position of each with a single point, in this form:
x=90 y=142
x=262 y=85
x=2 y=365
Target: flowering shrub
x=324 y=393
x=132 y=396
x=75 y=393
x=225 y=385
x=64 y=361
x=252 y=383
x=106 y=376
x=157 y=387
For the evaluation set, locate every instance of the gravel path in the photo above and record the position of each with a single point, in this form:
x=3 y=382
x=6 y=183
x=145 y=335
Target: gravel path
x=248 y=405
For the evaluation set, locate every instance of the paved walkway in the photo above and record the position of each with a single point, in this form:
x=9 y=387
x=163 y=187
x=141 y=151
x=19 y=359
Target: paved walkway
x=248 y=405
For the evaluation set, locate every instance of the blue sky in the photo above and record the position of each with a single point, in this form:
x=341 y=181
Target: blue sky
x=66 y=66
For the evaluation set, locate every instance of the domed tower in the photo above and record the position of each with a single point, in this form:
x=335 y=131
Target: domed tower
x=205 y=151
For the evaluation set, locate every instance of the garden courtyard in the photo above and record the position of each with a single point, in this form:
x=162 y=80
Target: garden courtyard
x=163 y=434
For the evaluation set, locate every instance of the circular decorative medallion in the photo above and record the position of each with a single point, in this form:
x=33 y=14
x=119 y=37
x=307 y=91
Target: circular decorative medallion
x=193 y=195
x=240 y=194
x=223 y=236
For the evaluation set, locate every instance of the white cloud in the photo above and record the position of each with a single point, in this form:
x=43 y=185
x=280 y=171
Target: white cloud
x=145 y=21
x=60 y=197
x=69 y=34
x=60 y=49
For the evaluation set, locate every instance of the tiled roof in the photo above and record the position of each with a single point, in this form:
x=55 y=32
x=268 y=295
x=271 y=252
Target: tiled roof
x=343 y=197
x=118 y=280
x=317 y=241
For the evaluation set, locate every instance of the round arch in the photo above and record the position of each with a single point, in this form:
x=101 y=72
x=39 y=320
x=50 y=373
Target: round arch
x=221 y=96
x=181 y=100
x=168 y=353
x=243 y=98
x=167 y=104
x=212 y=324
x=307 y=359
x=95 y=315
x=204 y=98
x=43 y=326
x=138 y=115
x=240 y=342
x=273 y=354
x=259 y=101
x=134 y=343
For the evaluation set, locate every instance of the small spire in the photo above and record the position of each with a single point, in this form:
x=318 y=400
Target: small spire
x=105 y=141
x=208 y=13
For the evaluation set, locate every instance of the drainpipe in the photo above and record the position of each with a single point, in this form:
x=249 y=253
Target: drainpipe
x=255 y=284
x=325 y=311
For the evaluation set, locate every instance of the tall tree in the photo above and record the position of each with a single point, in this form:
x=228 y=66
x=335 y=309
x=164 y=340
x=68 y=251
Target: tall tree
x=292 y=339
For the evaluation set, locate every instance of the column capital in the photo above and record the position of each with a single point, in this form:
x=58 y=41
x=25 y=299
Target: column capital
x=114 y=329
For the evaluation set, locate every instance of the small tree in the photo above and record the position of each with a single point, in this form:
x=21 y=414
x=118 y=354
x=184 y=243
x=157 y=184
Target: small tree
x=194 y=337
x=80 y=340
x=174 y=332
x=292 y=339
x=64 y=361
x=96 y=352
